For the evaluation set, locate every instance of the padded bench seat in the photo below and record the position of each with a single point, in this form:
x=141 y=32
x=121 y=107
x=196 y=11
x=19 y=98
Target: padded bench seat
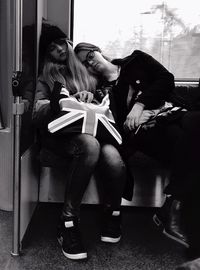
x=150 y=179
x=150 y=176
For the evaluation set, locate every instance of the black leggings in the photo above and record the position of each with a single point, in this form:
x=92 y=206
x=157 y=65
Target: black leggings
x=87 y=156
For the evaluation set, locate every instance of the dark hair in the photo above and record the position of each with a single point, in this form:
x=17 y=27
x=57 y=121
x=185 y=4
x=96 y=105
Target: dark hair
x=49 y=33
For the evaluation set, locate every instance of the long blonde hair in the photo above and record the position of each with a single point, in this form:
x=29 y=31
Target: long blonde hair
x=72 y=74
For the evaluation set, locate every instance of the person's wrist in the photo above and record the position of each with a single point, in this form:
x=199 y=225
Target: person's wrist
x=139 y=104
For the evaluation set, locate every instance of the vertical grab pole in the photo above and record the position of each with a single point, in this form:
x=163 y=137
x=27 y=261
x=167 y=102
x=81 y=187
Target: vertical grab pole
x=18 y=109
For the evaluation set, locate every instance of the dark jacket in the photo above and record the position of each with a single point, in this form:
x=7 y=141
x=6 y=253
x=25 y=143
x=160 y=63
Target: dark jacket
x=41 y=109
x=151 y=82
x=151 y=85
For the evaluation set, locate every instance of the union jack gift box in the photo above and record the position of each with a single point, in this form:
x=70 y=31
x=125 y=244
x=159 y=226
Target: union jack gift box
x=79 y=117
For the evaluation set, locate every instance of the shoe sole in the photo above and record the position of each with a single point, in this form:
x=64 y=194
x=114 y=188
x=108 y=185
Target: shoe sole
x=78 y=256
x=175 y=239
x=160 y=225
x=107 y=239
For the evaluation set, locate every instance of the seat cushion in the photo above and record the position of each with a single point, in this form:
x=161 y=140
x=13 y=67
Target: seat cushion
x=50 y=159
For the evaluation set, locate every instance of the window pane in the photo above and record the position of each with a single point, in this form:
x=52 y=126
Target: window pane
x=168 y=30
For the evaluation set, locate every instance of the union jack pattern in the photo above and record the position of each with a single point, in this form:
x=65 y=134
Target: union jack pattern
x=90 y=113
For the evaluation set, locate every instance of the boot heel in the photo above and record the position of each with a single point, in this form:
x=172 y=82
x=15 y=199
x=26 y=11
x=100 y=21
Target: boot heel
x=167 y=220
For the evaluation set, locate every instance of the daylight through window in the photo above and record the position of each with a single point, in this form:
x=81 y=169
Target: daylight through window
x=168 y=30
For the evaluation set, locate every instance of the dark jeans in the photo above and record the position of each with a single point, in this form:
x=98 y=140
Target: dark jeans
x=87 y=156
x=177 y=144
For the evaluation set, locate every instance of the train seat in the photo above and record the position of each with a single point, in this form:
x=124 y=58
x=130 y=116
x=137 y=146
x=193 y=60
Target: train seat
x=149 y=175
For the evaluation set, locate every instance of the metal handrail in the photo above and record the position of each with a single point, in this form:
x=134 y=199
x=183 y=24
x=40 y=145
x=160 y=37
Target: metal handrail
x=17 y=111
x=17 y=36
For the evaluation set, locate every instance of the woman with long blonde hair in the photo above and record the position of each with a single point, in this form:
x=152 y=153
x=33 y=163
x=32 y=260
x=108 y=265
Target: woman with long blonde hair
x=67 y=69
x=85 y=154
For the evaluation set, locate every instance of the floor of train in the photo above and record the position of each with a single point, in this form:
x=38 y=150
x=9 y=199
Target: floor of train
x=142 y=246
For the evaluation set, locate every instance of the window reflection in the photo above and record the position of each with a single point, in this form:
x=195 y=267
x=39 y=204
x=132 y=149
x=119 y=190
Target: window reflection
x=27 y=85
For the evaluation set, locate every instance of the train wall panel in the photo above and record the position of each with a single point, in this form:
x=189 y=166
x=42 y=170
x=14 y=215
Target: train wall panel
x=6 y=172
x=29 y=188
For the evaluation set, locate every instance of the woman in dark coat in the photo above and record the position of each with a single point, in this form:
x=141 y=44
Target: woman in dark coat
x=141 y=94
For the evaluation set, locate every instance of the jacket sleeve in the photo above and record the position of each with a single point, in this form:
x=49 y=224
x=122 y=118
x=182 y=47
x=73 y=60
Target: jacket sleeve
x=42 y=114
x=160 y=81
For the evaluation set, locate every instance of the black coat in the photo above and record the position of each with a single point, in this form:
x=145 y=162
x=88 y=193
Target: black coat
x=151 y=81
x=152 y=85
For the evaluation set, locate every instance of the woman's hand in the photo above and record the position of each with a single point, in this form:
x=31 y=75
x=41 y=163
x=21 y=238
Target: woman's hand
x=84 y=96
x=146 y=116
x=133 y=118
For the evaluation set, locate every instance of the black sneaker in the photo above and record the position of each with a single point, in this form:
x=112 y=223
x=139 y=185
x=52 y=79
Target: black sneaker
x=69 y=238
x=168 y=221
x=111 y=232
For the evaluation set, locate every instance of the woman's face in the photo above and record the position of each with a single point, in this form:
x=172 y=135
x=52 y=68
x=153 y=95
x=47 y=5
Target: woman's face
x=58 y=51
x=93 y=60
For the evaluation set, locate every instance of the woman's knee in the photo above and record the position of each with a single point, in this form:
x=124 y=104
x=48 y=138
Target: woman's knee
x=86 y=144
x=111 y=155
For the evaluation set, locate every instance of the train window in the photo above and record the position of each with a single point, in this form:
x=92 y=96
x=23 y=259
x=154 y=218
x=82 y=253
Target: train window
x=168 y=30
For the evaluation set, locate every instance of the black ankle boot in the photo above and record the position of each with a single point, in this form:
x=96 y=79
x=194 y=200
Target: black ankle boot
x=168 y=220
x=111 y=229
x=69 y=238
